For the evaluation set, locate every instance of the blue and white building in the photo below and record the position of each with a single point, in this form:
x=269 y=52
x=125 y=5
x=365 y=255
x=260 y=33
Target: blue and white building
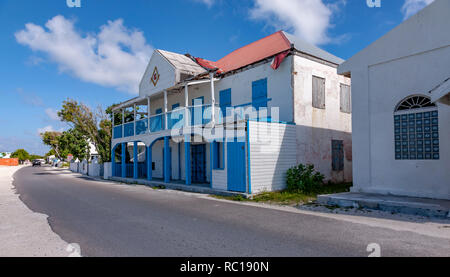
x=237 y=124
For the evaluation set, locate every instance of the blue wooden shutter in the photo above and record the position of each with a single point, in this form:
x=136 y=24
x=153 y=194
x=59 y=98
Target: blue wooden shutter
x=225 y=101
x=259 y=93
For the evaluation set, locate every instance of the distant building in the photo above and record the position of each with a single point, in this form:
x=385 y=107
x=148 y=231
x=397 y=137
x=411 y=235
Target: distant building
x=240 y=123
x=401 y=112
x=5 y=155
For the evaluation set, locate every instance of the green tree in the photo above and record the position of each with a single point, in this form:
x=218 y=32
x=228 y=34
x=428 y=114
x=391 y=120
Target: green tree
x=50 y=153
x=52 y=139
x=21 y=154
x=73 y=142
x=96 y=126
x=35 y=157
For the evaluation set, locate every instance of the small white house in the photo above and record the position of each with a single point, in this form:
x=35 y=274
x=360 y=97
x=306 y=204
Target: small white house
x=237 y=124
x=401 y=112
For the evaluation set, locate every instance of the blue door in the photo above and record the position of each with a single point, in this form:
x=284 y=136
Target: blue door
x=236 y=166
x=198 y=163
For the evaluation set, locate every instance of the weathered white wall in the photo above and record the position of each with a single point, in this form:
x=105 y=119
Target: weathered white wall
x=107 y=171
x=418 y=60
x=74 y=167
x=272 y=152
x=166 y=71
x=95 y=170
x=389 y=83
x=316 y=128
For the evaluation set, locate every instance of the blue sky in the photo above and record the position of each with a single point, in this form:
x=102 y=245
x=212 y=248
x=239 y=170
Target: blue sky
x=97 y=53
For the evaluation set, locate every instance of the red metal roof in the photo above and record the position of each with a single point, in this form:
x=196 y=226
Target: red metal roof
x=249 y=54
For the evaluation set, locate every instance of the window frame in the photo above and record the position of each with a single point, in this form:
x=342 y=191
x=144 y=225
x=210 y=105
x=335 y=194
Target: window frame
x=321 y=104
x=342 y=97
x=419 y=141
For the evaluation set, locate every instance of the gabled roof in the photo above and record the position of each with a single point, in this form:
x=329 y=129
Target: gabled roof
x=312 y=50
x=264 y=48
x=182 y=63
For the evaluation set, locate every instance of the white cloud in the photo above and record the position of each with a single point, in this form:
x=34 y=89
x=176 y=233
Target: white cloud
x=208 y=3
x=308 y=19
x=52 y=114
x=411 y=7
x=48 y=128
x=115 y=57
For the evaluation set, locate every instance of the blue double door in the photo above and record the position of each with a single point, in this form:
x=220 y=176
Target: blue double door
x=198 y=163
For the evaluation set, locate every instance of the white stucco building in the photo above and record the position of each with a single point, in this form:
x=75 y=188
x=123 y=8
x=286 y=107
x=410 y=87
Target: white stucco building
x=401 y=113
x=237 y=124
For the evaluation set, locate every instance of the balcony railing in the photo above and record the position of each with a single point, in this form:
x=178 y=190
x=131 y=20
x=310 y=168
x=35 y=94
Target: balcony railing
x=199 y=115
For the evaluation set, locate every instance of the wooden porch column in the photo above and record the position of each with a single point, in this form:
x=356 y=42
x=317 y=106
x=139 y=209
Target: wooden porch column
x=124 y=155
x=135 y=160
x=149 y=163
x=149 y=112
x=123 y=122
x=134 y=119
x=186 y=105
x=113 y=161
x=187 y=158
x=213 y=99
x=167 y=160
x=165 y=111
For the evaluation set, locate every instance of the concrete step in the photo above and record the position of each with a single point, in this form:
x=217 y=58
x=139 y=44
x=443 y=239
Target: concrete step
x=395 y=204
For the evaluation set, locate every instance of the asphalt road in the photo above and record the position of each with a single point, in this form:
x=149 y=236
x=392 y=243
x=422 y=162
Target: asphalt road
x=120 y=220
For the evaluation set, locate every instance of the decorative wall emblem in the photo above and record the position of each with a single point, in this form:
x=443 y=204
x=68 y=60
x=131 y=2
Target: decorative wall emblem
x=155 y=76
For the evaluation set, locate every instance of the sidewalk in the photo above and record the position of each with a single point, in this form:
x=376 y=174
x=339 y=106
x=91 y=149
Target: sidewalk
x=396 y=204
x=24 y=233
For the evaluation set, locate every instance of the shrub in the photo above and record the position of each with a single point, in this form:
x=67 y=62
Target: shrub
x=304 y=178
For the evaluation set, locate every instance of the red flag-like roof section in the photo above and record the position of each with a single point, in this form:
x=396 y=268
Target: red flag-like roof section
x=249 y=54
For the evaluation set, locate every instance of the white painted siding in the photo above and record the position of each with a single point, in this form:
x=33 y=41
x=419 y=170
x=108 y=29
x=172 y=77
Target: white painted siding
x=272 y=152
x=220 y=177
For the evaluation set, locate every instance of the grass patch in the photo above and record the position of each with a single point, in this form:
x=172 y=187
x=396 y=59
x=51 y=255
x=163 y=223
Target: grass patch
x=158 y=187
x=286 y=197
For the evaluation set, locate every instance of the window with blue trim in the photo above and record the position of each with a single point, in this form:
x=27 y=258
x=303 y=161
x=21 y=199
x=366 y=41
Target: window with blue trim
x=416 y=129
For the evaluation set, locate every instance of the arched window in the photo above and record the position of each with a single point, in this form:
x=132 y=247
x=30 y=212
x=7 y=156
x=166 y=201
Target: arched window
x=416 y=127
x=414 y=102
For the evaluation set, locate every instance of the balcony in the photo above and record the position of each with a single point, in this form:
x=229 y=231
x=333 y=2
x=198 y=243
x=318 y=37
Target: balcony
x=176 y=119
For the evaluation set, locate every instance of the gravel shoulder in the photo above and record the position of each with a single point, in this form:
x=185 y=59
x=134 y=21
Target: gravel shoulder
x=24 y=233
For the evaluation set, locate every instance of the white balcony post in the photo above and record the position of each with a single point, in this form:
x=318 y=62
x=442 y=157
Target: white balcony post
x=148 y=112
x=165 y=110
x=186 y=105
x=134 y=118
x=123 y=122
x=213 y=99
